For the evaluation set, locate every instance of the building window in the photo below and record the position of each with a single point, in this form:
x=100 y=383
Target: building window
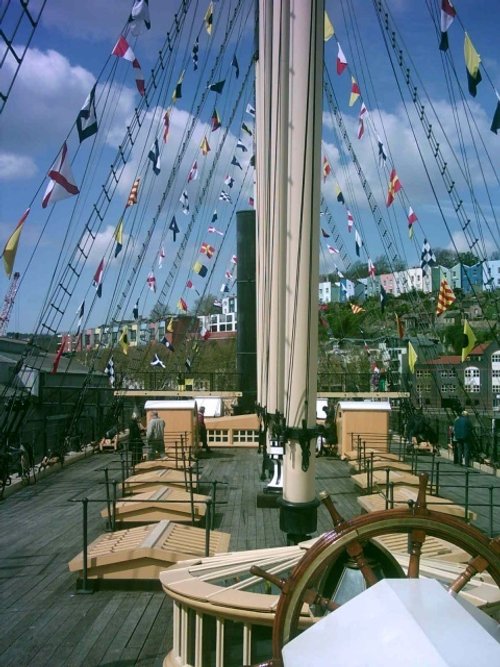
x=472 y=379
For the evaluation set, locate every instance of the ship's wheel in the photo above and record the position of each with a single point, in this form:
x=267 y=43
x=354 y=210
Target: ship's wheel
x=306 y=594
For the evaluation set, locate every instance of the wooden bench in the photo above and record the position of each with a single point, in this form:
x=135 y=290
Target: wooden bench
x=403 y=494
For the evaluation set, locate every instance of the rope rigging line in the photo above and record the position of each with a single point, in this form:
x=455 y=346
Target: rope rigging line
x=57 y=301
x=457 y=202
x=184 y=145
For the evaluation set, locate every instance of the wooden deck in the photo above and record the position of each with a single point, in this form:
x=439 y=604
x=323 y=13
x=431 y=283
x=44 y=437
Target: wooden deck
x=44 y=621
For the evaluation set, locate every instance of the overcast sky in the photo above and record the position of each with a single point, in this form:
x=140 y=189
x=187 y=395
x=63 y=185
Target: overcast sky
x=72 y=46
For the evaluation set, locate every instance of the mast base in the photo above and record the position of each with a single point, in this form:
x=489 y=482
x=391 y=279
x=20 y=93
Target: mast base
x=298 y=520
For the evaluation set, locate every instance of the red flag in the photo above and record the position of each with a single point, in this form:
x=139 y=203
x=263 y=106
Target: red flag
x=326 y=168
x=182 y=305
x=62 y=183
x=134 y=191
x=448 y=13
x=59 y=354
x=123 y=50
x=207 y=249
x=355 y=91
x=341 y=61
x=151 y=281
x=97 y=282
x=394 y=186
x=412 y=218
x=446 y=297
x=350 y=220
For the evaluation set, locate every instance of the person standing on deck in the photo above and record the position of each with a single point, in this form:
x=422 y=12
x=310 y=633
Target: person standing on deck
x=135 y=440
x=155 y=437
x=463 y=436
x=202 y=429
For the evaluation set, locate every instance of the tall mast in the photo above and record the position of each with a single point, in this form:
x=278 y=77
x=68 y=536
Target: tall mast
x=298 y=510
x=289 y=164
x=272 y=157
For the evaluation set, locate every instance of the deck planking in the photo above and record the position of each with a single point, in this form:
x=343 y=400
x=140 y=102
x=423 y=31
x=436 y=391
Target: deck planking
x=44 y=622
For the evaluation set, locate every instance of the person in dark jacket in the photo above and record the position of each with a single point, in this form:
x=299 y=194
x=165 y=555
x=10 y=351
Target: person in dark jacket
x=463 y=435
x=135 y=443
x=202 y=429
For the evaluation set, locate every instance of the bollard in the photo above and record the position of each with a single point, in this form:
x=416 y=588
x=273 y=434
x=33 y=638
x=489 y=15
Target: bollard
x=84 y=587
x=108 y=499
x=208 y=521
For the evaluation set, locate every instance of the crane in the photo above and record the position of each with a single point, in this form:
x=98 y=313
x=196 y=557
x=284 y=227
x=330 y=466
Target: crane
x=8 y=303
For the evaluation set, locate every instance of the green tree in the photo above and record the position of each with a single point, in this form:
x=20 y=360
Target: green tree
x=205 y=305
x=384 y=266
x=468 y=258
x=357 y=270
x=445 y=257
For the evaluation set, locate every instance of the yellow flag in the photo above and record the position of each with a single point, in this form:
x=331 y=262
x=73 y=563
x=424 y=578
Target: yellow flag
x=472 y=60
x=469 y=341
x=329 y=31
x=412 y=357
x=124 y=343
x=10 y=249
x=355 y=92
x=170 y=325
